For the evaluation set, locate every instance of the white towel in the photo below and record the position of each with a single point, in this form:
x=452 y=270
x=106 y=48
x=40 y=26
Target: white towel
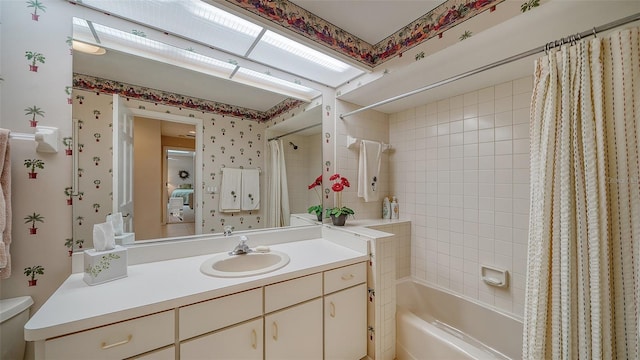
x=369 y=170
x=250 y=189
x=230 y=190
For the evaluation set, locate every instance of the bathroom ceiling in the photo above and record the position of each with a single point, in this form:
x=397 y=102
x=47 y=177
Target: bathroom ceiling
x=516 y=35
x=370 y=20
x=373 y=20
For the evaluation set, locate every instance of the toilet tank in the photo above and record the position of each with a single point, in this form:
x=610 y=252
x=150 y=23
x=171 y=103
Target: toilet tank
x=14 y=313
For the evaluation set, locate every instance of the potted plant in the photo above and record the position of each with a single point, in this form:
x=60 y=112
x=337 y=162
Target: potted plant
x=68 y=142
x=68 y=191
x=316 y=209
x=339 y=213
x=34 y=57
x=33 y=164
x=34 y=110
x=69 y=244
x=33 y=218
x=36 y=5
x=33 y=271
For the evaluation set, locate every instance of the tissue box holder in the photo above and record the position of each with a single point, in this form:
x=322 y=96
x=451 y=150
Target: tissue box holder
x=125 y=239
x=104 y=266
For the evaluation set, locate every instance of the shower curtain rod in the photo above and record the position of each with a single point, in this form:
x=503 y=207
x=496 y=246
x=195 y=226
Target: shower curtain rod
x=546 y=47
x=294 y=131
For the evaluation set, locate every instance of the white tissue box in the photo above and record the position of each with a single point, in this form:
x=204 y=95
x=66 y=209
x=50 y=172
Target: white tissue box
x=103 y=266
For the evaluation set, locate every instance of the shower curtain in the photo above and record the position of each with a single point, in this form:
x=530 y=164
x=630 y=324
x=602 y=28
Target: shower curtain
x=277 y=194
x=583 y=275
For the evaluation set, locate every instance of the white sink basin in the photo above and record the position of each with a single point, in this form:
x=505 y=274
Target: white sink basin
x=254 y=263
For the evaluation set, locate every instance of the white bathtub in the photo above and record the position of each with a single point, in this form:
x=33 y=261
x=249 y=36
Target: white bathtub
x=433 y=324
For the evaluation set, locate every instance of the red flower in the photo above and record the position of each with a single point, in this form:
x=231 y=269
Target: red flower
x=339 y=182
x=317 y=182
x=337 y=187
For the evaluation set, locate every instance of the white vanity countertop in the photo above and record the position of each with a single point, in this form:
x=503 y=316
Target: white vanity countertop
x=165 y=285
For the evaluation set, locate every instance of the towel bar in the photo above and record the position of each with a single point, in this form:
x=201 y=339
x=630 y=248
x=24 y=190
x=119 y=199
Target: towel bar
x=354 y=143
x=242 y=168
x=46 y=138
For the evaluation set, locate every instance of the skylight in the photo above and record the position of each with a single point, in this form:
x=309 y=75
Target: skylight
x=211 y=13
x=225 y=40
x=304 y=52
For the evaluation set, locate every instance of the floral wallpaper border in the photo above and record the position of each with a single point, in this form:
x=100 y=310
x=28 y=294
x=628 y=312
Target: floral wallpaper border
x=293 y=17
x=91 y=83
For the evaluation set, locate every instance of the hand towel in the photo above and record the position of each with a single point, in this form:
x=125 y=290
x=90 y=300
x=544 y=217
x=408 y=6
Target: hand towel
x=5 y=204
x=250 y=189
x=230 y=189
x=369 y=170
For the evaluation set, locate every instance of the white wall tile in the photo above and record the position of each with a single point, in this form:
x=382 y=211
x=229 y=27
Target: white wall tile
x=473 y=207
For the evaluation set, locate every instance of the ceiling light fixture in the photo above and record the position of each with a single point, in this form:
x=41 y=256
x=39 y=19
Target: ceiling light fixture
x=88 y=48
x=303 y=51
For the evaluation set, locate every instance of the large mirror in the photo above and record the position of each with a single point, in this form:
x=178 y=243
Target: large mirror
x=186 y=128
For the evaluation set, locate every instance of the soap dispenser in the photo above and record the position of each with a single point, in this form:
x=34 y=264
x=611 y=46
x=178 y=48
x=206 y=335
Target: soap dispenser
x=386 y=208
x=395 y=210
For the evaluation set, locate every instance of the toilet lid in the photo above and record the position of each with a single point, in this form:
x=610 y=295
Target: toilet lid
x=14 y=306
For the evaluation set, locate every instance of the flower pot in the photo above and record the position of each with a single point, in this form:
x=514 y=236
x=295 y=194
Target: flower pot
x=33 y=231
x=319 y=216
x=33 y=123
x=33 y=68
x=69 y=201
x=35 y=17
x=68 y=152
x=33 y=282
x=33 y=175
x=339 y=220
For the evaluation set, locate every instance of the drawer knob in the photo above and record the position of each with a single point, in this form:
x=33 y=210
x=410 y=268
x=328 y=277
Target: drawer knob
x=104 y=345
x=347 y=277
x=332 y=309
x=254 y=339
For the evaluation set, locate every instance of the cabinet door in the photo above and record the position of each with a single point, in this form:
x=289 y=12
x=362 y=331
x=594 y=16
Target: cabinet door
x=345 y=324
x=294 y=333
x=242 y=341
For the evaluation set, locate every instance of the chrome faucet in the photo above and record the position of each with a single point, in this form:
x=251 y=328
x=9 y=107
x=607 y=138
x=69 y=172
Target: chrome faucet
x=227 y=230
x=242 y=248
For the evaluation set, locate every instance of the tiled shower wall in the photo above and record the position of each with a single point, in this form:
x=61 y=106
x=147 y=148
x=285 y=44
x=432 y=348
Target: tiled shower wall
x=461 y=171
x=304 y=165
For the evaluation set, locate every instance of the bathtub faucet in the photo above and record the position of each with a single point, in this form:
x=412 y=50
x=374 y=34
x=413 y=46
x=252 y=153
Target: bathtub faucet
x=242 y=248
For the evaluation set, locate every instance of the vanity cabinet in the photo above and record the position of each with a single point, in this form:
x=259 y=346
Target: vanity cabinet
x=321 y=315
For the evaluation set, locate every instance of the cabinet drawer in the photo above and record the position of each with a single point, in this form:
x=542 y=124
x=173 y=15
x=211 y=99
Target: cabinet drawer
x=287 y=293
x=215 y=314
x=344 y=277
x=120 y=340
